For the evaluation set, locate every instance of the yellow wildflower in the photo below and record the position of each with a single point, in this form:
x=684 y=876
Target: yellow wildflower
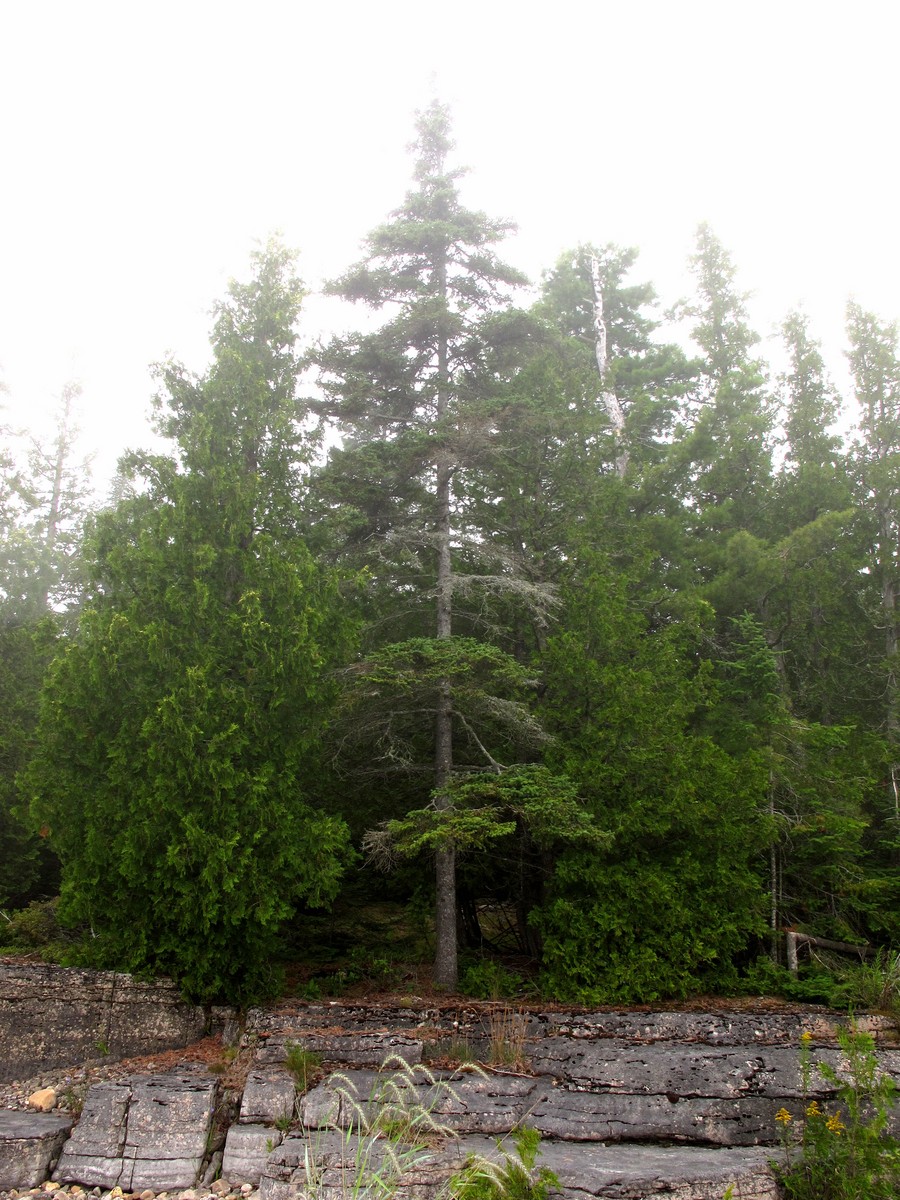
x=813 y=1110
x=835 y=1124
x=783 y=1116
x=806 y=1036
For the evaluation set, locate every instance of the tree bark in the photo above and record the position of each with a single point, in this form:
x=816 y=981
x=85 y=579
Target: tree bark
x=446 y=954
x=608 y=399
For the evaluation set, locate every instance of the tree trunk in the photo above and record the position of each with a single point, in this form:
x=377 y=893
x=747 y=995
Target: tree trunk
x=445 y=964
x=608 y=399
x=889 y=609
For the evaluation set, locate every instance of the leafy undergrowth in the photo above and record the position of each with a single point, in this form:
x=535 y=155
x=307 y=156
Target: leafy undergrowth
x=381 y=951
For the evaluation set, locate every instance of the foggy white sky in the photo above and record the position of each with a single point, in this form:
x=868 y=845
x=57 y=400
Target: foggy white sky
x=146 y=146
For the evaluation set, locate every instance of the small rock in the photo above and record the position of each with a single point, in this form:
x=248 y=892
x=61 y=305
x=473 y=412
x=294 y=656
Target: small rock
x=221 y=1187
x=246 y=1189
x=50 y=1186
x=189 y=1194
x=148 y=1195
x=43 y=1099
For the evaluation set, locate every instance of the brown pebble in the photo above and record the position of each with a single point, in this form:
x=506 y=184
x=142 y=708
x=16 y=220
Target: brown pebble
x=44 y=1099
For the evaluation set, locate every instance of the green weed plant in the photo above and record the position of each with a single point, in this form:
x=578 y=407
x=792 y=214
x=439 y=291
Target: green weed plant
x=384 y=1136
x=514 y=1177
x=303 y=1064
x=844 y=1153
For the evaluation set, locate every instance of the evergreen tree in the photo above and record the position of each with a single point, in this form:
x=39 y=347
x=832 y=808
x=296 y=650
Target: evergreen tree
x=412 y=400
x=727 y=455
x=44 y=502
x=178 y=761
x=674 y=895
x=875 y=365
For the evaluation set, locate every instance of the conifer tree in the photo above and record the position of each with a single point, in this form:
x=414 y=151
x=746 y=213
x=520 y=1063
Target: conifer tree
x=411 y=400
x=178 y=762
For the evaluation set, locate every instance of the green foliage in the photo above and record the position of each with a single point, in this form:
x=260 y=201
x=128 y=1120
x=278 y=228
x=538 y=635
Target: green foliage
x=386 y=1132
x=305 y=1065
x=845 y=1154
x=873 y=985
x=179 y=754
x=35 y=927
x=811 y=985
x=27 y=868
x=635 y=687
x=666 y=904
x=514 y=1177
x=490 y=980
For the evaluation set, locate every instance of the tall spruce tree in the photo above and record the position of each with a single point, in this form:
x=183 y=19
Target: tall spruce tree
x=178 y=768
x=411 y=400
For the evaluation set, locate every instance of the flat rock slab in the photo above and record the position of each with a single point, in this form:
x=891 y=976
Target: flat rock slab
x=360 y=1049
x=660 y=1172
x=723 y=1028
x=29 y=1143
x=247 y=1149
x=620 y=1172
x=145 y=1132
x=464 y=1102
x=268 y=1097
x=495 y=1103
x=54 y=1016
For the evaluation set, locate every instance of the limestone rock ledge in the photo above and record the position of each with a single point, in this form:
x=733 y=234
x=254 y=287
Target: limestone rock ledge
x=145 y=1132
x=614 y=1172
x=29 y=1145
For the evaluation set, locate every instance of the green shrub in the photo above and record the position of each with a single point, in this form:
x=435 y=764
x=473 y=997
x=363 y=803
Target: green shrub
x=871 y=985
x=812 y=984
x=490 y=980
x=34 y=927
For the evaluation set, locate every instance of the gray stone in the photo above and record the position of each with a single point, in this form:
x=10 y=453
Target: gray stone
x=146 y=1132
x=29 y=1143
x=320 y=1106
x=360 y=1049
x=616 y=1117
x=472 y=1102
x=623 y=1172
x=487 y=1104
x=247 y=1148
x=718 y=1029
x=268 y=1096
x=660 y=1172
x=103 y=1122
x=56 y=1016
x=616 y=1065
x=333 y=1165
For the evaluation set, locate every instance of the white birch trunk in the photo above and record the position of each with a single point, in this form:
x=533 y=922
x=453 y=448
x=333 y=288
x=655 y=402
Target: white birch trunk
x=608 y=399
